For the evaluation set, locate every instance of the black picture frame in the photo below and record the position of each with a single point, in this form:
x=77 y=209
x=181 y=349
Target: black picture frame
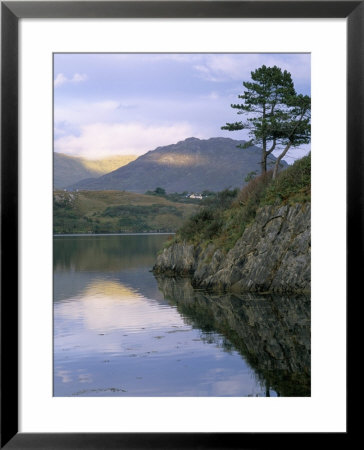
x=11 y=12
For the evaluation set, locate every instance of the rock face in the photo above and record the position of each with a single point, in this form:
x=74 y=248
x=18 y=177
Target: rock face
x=273 y=255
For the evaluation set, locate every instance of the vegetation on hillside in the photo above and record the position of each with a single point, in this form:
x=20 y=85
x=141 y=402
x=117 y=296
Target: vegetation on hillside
x=222 y=219
x=182 y=197
x=116 y=212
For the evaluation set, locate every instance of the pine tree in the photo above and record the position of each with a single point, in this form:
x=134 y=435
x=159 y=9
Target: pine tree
x=276 y=116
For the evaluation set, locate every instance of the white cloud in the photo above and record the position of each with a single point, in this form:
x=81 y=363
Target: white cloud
x=201 y=111
x=82 y=113
x=104 y=139
x=59 y=131
x=213 y=96
x=228 y=67
x=77 y=77
x=62 y=79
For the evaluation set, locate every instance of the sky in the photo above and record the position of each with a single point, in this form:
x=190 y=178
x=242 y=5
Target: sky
x=128 y=104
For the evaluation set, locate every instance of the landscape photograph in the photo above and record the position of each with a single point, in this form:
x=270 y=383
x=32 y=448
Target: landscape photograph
x=181 y=225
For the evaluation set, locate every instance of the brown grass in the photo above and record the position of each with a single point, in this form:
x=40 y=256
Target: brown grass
x=253 y=189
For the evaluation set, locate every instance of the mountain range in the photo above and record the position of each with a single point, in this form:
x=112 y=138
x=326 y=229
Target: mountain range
x=71 y=169
x=191 y=165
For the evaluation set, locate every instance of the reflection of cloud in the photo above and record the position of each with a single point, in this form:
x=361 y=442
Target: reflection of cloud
x=105 y=306
x=234 y=384
x=110 y=289
x=120 y=138
x=65 y=375
x=85 y=378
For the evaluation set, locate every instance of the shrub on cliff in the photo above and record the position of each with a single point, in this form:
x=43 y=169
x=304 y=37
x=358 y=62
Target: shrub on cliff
x=223 y=218
x=207 y=223
x=293 y=185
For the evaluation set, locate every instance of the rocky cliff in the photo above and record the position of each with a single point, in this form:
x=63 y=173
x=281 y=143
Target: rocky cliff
x=272 y=255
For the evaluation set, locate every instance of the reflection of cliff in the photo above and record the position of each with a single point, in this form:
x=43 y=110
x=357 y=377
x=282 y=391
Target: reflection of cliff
x=106 y=253
x=271 y=332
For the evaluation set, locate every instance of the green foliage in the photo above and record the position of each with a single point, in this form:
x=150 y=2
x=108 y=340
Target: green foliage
x=262 y=102
x=199 y=226
x=250 y=176
x=208 y=222
x=292 y=185
x=176 y=197
x=243 y=210
x=221 y=200
x=160 y=191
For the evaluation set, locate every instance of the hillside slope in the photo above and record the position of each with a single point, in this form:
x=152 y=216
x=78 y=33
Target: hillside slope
x=70 y=169
x=116 y=212
x=192 y=165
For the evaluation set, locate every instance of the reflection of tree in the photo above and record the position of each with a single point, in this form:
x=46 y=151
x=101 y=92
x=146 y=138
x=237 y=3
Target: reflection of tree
x=106 y=253
x=272 y=333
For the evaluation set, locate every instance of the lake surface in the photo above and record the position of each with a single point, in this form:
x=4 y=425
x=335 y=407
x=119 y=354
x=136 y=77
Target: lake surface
x=119 y=331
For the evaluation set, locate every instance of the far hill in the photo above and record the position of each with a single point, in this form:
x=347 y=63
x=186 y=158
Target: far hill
x=192 y=165
x=117 y=212
x=70 y=169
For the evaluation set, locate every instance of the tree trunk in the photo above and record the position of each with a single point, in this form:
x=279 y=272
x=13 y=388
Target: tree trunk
x=263 y=161
x=278 y=160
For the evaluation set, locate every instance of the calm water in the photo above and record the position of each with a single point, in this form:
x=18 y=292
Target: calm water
x=119 y=331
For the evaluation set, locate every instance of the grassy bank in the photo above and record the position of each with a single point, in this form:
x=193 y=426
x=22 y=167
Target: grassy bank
x=223 y=219
x=117 y=212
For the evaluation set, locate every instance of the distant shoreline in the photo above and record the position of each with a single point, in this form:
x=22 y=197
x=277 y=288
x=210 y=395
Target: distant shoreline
x=111 y=234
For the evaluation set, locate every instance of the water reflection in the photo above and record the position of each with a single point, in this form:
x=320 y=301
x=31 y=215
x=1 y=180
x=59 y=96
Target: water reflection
x=118 y=331
x=108 y=305
x=271 y=332
x=106 y=253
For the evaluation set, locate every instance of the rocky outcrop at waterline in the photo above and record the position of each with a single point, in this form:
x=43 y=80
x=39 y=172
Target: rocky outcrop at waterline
x=272 y=255
x=271 y=332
